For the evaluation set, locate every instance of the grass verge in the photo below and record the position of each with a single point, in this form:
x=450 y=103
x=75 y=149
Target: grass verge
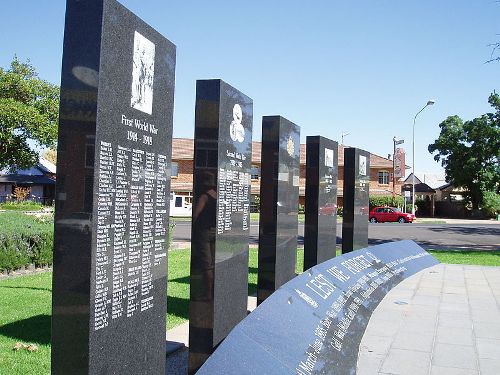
x=480 y=258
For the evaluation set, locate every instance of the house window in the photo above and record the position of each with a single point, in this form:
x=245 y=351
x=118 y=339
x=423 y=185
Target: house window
x=383 y=178
x=255 y=172
x=178 y=201
x=175 y=169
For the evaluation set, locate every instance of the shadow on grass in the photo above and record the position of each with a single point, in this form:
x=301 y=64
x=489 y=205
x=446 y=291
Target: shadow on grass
x=252 y=289
x=35 y=329
x=178 y=307
x=181 y=280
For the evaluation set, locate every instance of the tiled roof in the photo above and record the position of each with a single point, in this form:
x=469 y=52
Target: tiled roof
x=27 y=179
x=433 y=180
x=183 y=149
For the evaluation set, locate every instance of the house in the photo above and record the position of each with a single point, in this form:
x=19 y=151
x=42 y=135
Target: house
x=381 y=171
x=40 y=179
x=426 y=187
x=450 y=201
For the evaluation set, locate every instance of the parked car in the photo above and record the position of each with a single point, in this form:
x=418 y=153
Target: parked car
x=329 y=209
x=389 y=214
x=81 y=221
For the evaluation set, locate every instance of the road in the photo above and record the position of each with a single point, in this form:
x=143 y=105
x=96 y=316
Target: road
x=429 y=236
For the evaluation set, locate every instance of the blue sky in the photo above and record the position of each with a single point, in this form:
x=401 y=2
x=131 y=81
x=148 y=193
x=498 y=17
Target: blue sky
x=365 y=67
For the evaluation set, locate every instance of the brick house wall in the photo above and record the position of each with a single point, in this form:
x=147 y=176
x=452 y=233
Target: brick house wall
x=182 y=154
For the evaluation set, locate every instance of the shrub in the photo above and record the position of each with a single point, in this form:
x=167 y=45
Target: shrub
x=386 y=200
x=21 y=206
x=24 y=240
x=491 y=203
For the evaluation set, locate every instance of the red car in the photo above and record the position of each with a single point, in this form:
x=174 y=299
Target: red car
x=388 y=214
x=329 y=209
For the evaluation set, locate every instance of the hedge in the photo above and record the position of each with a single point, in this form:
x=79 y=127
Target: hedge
x=385 y=200
x=24 y=240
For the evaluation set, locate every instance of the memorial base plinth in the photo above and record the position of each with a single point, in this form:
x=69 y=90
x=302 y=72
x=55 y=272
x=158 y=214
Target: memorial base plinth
x=176 y=358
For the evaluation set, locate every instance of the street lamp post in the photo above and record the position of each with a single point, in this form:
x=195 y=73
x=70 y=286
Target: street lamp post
x=343 y=135
x=430 y=102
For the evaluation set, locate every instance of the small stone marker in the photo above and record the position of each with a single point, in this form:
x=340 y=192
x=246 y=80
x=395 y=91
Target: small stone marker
x=113 y=181
x=221 y=216
x=320 y=230
x=279 y=201
x=314 y=323
x=356 y=202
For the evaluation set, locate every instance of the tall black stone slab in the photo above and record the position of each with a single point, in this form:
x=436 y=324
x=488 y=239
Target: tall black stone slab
x=279 y=201
x=356 y=195
x=320 y=230
x=314 y=323
x=221 y=216
x=113 y=182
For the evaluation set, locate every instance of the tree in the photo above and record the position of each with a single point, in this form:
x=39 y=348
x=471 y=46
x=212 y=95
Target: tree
x=28 y=112
x=470 y=151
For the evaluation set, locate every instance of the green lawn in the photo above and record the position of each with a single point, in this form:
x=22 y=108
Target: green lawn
x=480 y=258
x=25 y=308
x=25 y=305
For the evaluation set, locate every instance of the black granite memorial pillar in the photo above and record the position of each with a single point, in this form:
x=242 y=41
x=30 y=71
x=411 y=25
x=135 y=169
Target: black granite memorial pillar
x=221 y=216
x=279 y=201
x=356 y=194
x=320 y=230
x=113 y=181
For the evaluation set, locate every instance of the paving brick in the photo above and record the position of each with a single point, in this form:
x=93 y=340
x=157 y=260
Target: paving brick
x=454 y=308
x=419 y=325
x=487 y=316
x=378 y=327
x=378 y=345
x=368 y=364
x=454 y=290
x=432 y=292
x=454 y=335
x=406 y=362
x=438 y=370
x=454 y=320
x=426 y=300
x=414 y=341
x=448 y=355
x=488 y=348
x=454 y=298
x=489 y=366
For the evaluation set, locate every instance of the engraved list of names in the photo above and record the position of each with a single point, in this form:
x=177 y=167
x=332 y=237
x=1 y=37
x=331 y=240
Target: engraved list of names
x=131 y=239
